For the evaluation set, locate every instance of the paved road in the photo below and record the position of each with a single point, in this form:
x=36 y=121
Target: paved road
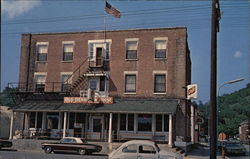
x=13 y=154
x=247 y=156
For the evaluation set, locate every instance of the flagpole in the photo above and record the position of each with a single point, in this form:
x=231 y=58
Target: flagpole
x=105 y=46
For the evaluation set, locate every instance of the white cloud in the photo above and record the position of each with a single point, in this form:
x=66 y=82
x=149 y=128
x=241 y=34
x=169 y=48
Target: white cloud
x=237 y=54
x=15 y=8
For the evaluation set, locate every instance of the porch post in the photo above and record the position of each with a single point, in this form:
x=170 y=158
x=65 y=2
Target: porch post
x=170 y=132
x=11 y=125
x=64 y=124
x=110 y=128
x=192 y=124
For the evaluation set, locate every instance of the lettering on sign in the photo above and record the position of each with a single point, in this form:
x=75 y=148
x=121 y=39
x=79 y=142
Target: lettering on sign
x=84 y=100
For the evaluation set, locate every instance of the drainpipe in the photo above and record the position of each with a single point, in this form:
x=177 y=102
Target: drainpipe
x=28 y=64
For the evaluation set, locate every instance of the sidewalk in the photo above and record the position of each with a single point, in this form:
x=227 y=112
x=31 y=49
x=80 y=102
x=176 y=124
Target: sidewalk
x=201 y=152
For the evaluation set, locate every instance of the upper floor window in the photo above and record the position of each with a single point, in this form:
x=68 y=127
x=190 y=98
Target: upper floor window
x=160 y=47
x=130 y=83
x=42 y=51
x=98 y=49
x=66 y=79
x=40 y=82
x=159 y=83
x=68 y=51
x=131 y=49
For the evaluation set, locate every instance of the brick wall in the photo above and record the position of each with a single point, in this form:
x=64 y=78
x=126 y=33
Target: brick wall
x=177 y=63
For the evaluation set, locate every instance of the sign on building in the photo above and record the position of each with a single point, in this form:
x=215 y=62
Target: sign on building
x=192 y=91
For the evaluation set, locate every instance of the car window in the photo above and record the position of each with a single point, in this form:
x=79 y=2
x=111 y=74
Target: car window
x=130 y=149
x=146 y=149
x=73 y=141
x=66 y=141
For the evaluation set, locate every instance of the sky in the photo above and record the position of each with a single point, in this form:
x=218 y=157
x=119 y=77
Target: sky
x=40 y=16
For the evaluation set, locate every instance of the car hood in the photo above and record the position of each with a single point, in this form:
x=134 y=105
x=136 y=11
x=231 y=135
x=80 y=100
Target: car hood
x=163 y=154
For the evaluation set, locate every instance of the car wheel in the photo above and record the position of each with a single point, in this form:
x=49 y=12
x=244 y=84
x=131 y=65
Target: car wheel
x=48 y=149
x=82 y=151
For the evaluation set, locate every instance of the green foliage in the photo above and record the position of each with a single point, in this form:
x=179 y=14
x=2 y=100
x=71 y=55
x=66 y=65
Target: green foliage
x=233 y=109
x=5 y=97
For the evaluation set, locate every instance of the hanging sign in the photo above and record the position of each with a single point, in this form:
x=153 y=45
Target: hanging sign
x=192 y=91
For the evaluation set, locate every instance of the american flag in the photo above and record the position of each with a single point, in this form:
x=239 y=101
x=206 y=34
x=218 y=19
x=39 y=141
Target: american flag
x=111 y=10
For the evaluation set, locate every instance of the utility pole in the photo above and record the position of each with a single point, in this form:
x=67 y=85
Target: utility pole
x=213 y=82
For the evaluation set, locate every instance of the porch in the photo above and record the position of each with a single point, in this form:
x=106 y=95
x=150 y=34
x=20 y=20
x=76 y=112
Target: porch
x=124 y=120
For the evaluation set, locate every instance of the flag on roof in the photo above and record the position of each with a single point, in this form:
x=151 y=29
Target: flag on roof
x=111 y=10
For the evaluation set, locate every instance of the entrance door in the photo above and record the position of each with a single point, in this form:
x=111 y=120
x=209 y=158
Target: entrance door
x=99 y=56
x=97 y=128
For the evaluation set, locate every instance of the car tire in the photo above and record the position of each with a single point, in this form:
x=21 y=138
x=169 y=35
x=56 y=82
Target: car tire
x=48 y=149
x=82 y=151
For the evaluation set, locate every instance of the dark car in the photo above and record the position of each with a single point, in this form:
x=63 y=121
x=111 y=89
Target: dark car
x=71 y=144
x=234 y=148
x=5 y=143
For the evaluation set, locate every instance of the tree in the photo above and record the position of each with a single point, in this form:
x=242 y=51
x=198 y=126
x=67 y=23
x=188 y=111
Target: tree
x=6 y=98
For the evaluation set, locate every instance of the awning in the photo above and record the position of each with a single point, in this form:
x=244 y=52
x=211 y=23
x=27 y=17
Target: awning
x=120 y=106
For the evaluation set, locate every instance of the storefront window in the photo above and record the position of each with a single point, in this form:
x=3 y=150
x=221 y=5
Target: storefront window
x=32 y=119
x=166 y=122
x=52 y=120
x=130 y=122
x=39 y=119
x=123 y=122
x=144 y=122
x=71 y=120
x=158 y=123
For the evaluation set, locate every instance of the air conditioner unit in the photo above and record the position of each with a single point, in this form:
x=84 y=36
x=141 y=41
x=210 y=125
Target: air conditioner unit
x=83 y=93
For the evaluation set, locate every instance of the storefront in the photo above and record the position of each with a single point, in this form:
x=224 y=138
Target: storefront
x=123 y=120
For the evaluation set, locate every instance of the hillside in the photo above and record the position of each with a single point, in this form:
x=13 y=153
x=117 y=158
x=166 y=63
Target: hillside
x=233 y=109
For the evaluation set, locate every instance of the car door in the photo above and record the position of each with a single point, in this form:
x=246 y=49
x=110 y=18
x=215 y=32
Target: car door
x=147 y=152
x=129 y=152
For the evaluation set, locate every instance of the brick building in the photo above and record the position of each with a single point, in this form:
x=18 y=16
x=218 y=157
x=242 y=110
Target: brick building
x=107 y=86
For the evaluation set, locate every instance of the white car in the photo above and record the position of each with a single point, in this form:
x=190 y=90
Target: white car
x=142 y=149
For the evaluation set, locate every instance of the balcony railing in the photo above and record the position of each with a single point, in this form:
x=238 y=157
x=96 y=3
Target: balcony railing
x=40 y=87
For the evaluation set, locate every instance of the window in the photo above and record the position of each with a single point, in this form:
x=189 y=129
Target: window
x=130 y=122
x=130 y=149
x=131 y=49
x=68 y=51
x=146 y=149
x=160 y=48
x=158 y=120
x=104 y=45
x=52 y=120
x=130 y=83
x=39 y=119
x=66 y=80
x=40 y=82
x=102 y=83
x=123 y=121
x=42 y=51
x=166 y=123
x=144 y=122
x=160 y=83
x=32 y=119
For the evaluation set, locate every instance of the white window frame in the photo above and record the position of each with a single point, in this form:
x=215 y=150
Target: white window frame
x=102 y=44
x=136 y=81
x=65 y=43
x=137 y=43
x=42 y=43
x=154 y=41
x=159 y=73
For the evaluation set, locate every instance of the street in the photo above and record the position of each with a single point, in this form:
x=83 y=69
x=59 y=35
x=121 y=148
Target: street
x=13 y=154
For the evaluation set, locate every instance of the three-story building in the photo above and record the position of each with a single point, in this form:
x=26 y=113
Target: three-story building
x=106 y=85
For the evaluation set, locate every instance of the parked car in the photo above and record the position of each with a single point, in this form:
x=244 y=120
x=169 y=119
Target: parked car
x=71 y=144
x=142 y=149
x=5 y=143
x=234 y=148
